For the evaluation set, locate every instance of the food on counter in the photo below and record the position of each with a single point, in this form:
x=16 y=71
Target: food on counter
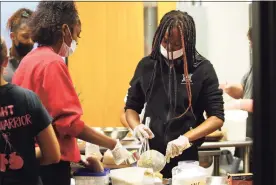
x=108 y=158
x=152 y=159
x=92 y=163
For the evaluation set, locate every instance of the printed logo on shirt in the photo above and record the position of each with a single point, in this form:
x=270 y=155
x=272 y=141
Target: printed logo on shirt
x=13 y=122
x=184 y=79
x=10 y=159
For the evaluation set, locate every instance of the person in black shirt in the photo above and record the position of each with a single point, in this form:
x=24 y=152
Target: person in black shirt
x=23 y=119
x=22 y=43
x=178 y=85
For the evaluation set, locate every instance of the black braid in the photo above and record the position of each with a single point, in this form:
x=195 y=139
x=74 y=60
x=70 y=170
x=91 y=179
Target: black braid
x=185 y=23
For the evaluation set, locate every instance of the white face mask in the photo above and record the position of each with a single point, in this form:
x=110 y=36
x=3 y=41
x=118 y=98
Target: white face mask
x=65 y=50
x=176 y=54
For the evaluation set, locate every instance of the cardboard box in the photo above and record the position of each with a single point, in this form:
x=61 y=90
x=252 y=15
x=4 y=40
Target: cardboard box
x=240 y=179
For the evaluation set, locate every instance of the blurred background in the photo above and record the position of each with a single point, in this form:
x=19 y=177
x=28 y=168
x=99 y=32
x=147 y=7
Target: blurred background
x=116 y=35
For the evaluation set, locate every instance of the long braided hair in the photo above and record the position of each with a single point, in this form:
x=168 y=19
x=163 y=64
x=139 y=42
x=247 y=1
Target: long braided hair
x=186 y=26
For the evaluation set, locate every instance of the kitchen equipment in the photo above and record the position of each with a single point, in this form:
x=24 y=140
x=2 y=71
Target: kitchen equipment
x=113 y=132
x=84 y=176
x=150 y=158
x=216 y=181
x=188 y=173
x=235 y=125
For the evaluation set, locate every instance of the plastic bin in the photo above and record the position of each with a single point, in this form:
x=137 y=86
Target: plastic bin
x=86 y=177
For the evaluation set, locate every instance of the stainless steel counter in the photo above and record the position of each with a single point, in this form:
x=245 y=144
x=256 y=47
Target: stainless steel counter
x=211 y=145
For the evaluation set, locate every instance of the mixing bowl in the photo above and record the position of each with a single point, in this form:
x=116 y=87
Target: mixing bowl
x=113 y=132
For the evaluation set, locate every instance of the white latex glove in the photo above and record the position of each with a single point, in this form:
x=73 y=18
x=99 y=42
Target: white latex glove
x=120 y=154
x=233 y=105
x=177 y=146
x=143 y=132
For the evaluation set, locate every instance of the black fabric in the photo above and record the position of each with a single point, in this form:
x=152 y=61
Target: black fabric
x=206 y=96
x=56 y=174
x=22 y=117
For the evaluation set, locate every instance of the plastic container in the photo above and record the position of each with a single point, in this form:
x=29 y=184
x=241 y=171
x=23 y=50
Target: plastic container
x=128 y=176
x=86 y=177
x=188 y=173
x=91 y=149
x=235 y=125
x=180 y=163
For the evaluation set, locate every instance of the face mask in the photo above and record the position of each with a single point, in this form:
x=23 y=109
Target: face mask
x=23 y=49
x=176 y=54
x=65 y=50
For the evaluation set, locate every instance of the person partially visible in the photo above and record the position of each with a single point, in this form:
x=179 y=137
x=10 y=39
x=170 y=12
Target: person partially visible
x=56 y=27
x=242 y=93
x=22 y=43
x=178 y=85
x=22 y=120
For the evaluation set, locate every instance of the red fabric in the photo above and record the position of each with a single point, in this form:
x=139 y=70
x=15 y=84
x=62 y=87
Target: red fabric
x=45 y=73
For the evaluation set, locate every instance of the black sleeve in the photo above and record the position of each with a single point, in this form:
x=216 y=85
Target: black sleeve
x=213 y=100
x=136 y=97
x=40 y=116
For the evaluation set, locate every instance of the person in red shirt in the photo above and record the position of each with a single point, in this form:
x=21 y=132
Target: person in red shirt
x=56 y=28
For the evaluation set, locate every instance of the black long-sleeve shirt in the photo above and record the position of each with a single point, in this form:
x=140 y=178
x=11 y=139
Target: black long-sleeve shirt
x=206 y=96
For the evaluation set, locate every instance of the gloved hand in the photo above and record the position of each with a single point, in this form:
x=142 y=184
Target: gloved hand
x=177 y=146
x=233 y=105
x=141 y=132
x=120 y=154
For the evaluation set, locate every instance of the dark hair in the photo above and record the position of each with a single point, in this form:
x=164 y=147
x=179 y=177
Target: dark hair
x=186 y=26
x=19 y=17
x=46 y=22
x=249 y=34
x=3 y=53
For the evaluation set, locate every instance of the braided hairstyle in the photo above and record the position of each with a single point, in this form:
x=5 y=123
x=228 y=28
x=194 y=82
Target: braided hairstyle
x=19 y=18
x=186 y=26
x=46 y=23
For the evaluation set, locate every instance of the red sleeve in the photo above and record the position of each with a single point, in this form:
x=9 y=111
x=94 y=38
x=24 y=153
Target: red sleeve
x=61 y=100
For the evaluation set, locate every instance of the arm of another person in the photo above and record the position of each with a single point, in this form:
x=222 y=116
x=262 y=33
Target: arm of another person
x=235 y=90
x=63 y=104
x=48 y=151
x=213 y=104
x=240 y=104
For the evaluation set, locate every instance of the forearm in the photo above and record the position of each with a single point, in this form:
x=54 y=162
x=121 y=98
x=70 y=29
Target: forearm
x=246 y=105
x=132 y=118
x=207 y=127
x=123 y=119
x=234 y=90
x=40 y=158
x=92 y=136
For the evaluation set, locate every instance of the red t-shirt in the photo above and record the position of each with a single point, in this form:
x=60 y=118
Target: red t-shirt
x=44 y=72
